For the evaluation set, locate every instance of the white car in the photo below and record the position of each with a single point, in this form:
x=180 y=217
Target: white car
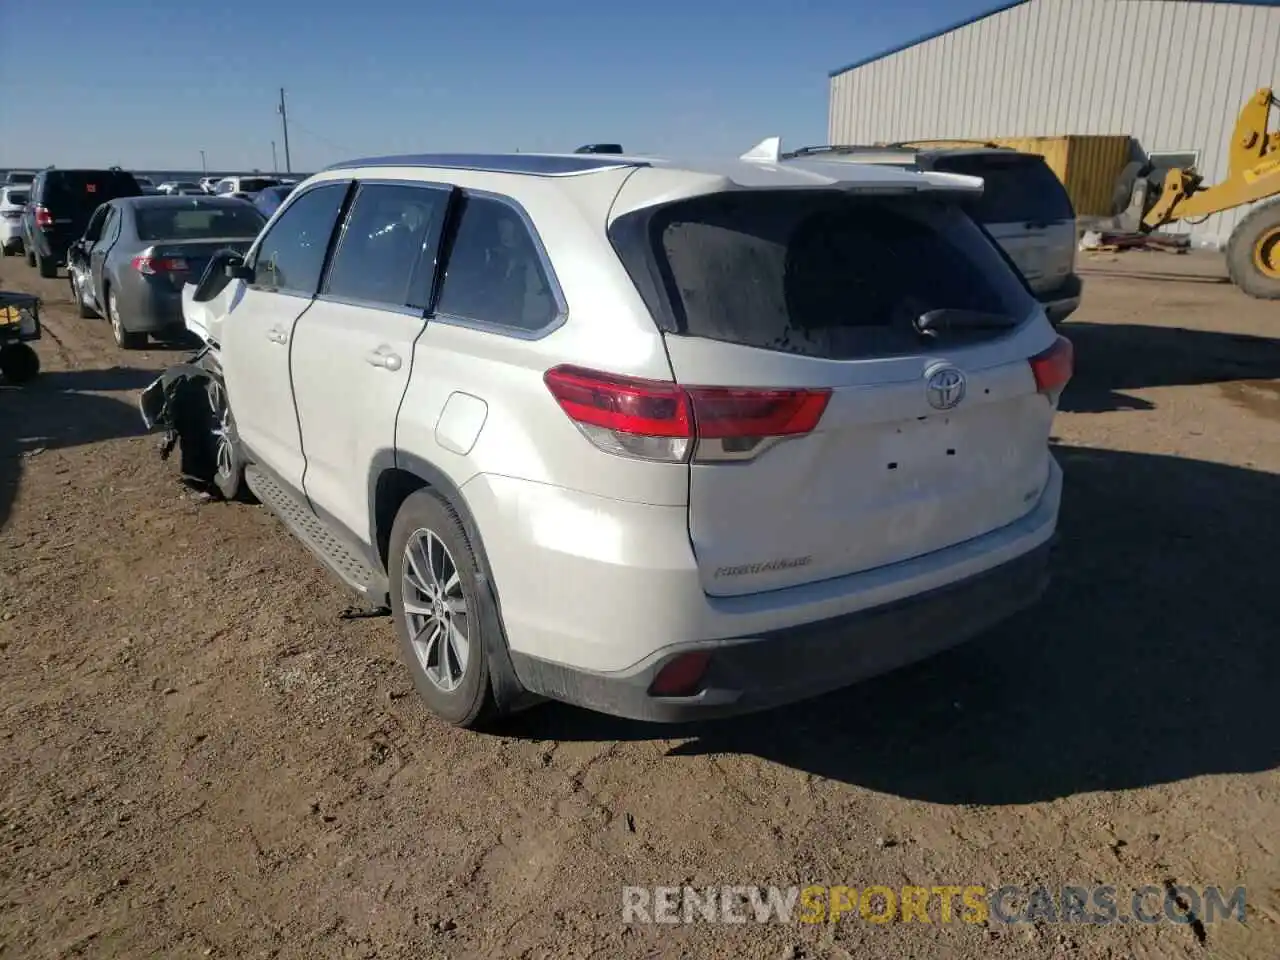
x=208 y=183
x=180 y=188
x=12 y=200
x=243 y=186
x=664 y=440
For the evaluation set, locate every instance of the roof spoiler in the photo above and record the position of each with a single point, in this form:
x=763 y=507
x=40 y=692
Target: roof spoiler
x=768 y=150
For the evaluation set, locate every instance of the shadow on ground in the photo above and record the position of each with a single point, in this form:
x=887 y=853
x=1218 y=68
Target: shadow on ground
x=1153 y=658
x=50 y=414
x=1114 y=357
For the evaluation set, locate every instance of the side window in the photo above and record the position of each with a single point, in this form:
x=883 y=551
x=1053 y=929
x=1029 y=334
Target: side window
x=94 y=230
x=290 y=257
x=495 y=274
x=391 y=230
x=111 y=228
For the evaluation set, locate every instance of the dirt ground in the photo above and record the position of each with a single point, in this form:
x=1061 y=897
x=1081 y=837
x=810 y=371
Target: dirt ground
x=199 y=758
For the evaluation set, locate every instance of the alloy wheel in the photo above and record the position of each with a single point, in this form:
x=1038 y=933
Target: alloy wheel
x=435 y=610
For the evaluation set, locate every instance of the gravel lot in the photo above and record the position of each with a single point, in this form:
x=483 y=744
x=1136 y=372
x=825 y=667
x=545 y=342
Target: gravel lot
x=198 y=757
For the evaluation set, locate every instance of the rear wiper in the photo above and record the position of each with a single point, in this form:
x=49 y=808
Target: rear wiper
x=947 y=319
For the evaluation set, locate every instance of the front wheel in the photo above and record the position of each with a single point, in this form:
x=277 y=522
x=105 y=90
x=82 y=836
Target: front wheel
x=83 y=310
x=228 y=472
x=433 y=579
x=1253 y=253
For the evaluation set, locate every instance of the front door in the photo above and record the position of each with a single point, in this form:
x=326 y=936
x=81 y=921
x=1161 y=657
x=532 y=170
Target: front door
x=257 y=335
x=353 y=349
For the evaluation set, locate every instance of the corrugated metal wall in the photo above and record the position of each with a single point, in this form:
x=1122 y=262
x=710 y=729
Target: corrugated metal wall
x=1171 y=73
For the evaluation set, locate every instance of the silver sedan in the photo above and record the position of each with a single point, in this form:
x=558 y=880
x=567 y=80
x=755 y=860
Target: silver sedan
x=137 y=252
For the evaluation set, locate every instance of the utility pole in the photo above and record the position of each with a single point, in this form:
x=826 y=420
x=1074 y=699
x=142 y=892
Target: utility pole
x=204 y=167
x=275 y=165
x=284 y=123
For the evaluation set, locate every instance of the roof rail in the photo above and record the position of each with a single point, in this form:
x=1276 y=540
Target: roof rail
x=976 y=143
x=839 y=148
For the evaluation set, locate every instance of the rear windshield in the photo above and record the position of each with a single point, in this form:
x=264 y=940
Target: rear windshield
x=17 y=197
x=23 y=178
x=1018 y=188
x=198 y=222
x=827 y=275
x=83 y=190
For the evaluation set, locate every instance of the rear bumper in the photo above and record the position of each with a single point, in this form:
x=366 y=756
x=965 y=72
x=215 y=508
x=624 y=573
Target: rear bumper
x=1062 y=302
x=747 y=674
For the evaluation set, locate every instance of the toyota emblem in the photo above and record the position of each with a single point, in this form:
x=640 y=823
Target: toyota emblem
x=944 y=387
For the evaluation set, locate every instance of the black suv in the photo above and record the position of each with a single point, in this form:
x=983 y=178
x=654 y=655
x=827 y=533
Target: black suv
x=59 y=207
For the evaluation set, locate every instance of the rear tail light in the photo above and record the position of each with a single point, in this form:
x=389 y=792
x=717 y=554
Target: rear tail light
x=682 y=675
x=660 y=420
x=152 y=266
x=44 y=219
x=1053 y=368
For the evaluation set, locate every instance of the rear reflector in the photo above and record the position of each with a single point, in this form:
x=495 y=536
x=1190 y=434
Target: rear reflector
x=661 y=420
x=682 y=676
x=1053 y=367
x=154 y=265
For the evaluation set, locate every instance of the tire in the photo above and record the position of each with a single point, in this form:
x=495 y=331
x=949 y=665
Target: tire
x=6 y=252
x=124 y=339
x=228 y=458
x=1253 y=253
x=46 y=267
x=83 y=310
x=19 y=362
x=31 y=257
x=429 y=522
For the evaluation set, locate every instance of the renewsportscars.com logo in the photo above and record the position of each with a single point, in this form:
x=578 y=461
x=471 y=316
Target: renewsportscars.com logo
x=972 y=904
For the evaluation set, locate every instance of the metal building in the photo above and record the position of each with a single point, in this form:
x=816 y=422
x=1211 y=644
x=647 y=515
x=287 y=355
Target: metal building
x=1172 y=74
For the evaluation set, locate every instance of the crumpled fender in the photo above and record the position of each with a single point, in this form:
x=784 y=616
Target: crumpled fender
x=178 y=403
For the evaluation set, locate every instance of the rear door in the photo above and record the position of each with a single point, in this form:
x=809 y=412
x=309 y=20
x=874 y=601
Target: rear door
x=353 y=350
x=1025 y=207
x=925 y=440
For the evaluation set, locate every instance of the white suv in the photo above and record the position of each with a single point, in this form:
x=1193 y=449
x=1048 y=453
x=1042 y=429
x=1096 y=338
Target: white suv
x=662 y=440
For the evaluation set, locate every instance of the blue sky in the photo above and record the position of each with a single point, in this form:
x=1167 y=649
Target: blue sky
x=148 y=85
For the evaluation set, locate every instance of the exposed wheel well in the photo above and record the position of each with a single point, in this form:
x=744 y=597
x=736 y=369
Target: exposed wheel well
x=394 y=487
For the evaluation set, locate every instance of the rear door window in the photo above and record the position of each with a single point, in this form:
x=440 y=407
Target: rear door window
x=388 y=242
x=826 y=275
x=291 y=256
x=1018 y=188
x=495 y=274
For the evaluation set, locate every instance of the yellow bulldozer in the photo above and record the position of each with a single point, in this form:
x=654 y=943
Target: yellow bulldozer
x=1253 y=174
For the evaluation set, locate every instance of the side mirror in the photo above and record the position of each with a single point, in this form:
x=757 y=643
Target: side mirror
x=218 y=274
x=239 y=270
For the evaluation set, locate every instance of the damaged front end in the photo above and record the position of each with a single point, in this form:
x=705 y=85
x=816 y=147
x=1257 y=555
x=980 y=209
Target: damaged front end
x=178 y=402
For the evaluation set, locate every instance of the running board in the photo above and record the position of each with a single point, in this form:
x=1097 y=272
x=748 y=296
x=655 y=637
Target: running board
x=333 y=550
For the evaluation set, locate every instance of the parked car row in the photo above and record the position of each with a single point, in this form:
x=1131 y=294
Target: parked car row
x=43 y=214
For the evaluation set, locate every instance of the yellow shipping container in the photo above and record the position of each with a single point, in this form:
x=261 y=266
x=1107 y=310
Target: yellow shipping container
x=1088 y=166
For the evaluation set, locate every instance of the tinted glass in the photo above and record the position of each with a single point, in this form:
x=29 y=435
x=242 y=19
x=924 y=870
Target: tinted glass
x=387 y=231
x=17 y=197
x=291 y=255
x=824 y=275
x=94 y=230
x=21 y=177
x=1017 y=188
x=254 y=184
x=80 y=191
x=197 y=221
x=495 y=274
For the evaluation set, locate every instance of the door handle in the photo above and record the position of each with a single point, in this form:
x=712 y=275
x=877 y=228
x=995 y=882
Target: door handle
x=383 y=357
x=276 y=335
